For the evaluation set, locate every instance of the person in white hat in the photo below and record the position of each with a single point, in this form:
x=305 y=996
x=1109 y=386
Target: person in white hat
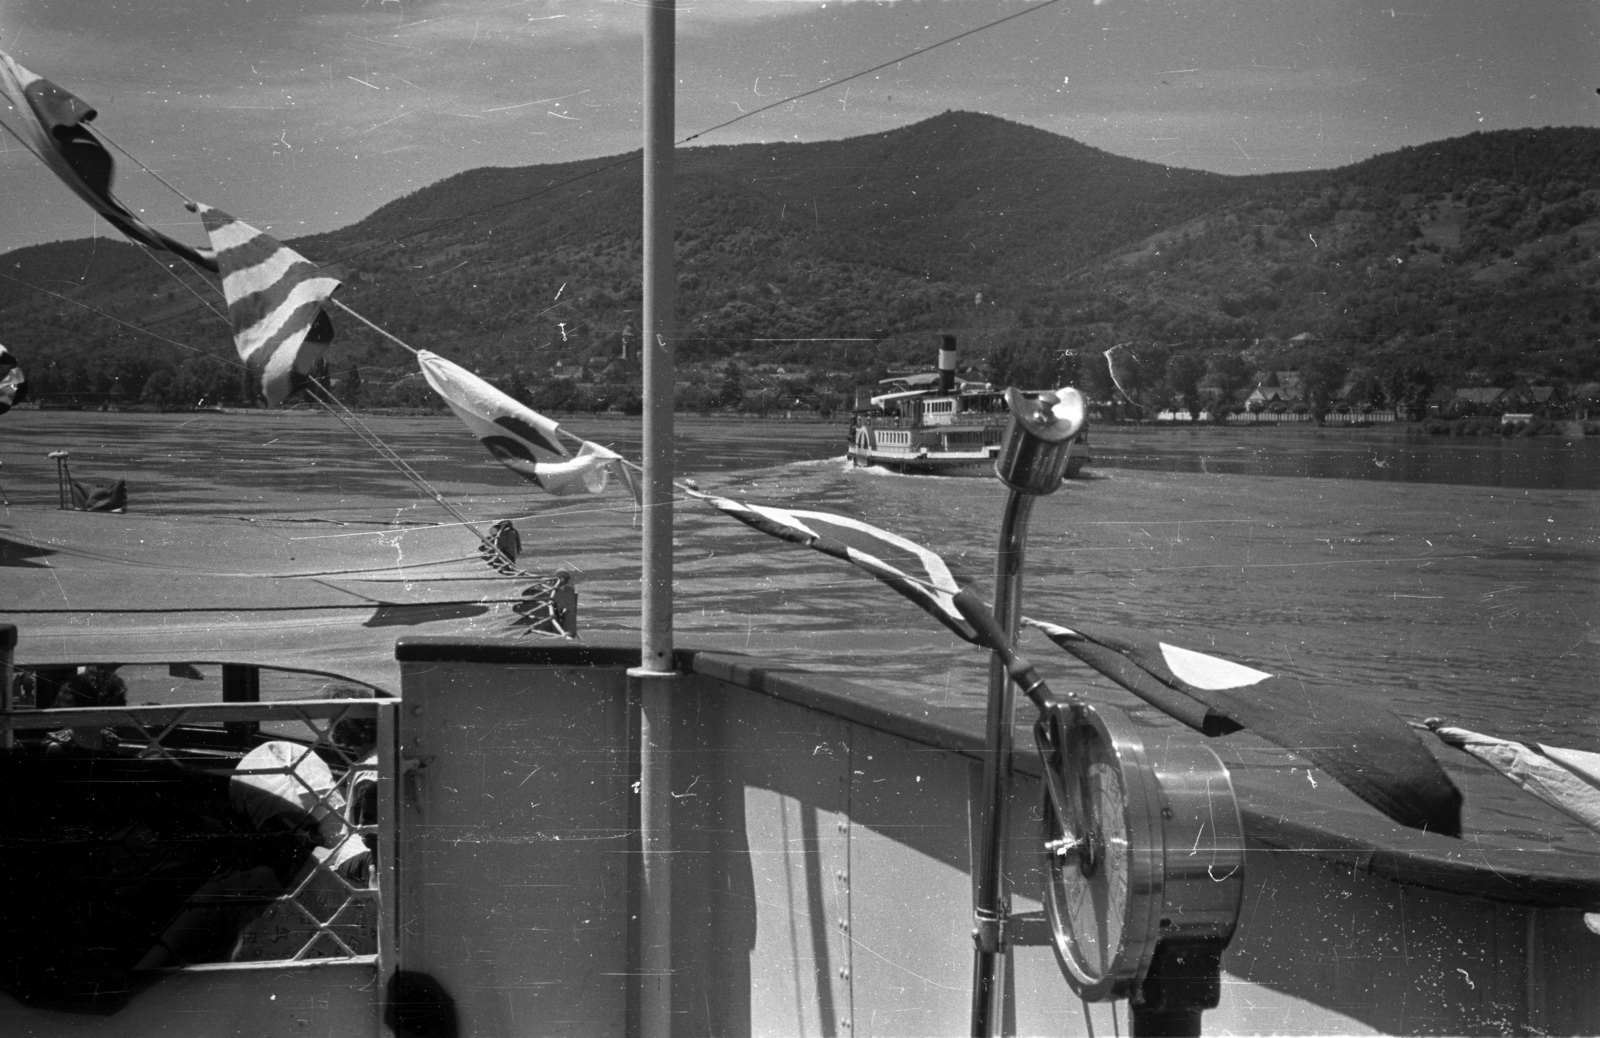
x=285 y=785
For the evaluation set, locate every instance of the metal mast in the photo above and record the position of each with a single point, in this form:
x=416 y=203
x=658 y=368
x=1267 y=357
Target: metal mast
x=653 y=676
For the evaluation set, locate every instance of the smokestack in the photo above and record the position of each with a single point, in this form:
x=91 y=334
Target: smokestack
x=947 y=364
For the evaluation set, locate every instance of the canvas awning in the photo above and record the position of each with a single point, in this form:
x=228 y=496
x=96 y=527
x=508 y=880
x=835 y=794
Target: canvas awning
x=324 y=596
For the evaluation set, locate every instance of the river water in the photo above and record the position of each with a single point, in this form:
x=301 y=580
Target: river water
x=1450 y=577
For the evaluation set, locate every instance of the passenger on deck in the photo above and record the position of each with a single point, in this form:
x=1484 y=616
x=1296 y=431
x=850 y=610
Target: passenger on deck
x=278 y=785
x=91 y=687
x=286 y=784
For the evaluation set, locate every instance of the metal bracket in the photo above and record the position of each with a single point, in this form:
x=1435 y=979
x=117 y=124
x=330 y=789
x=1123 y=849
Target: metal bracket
x=989 y=932
x=410 y=770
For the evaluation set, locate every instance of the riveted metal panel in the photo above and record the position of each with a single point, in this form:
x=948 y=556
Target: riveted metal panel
x=761 y=876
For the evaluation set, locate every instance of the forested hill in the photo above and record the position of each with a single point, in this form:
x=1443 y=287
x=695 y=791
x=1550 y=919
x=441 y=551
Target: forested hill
x=1473 y=258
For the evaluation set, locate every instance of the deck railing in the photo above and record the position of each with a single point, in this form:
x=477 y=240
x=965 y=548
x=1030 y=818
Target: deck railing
x=339 y=904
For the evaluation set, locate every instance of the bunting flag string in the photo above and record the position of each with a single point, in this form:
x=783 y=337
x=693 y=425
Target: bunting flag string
x=275 y=299
x=1367 y=749
x=1371 y=752
x=54 y=125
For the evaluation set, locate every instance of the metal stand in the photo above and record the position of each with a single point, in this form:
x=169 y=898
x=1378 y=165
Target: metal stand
x=992 y=903
x=63 y=480
x=1032 y=461
x=1184 y=979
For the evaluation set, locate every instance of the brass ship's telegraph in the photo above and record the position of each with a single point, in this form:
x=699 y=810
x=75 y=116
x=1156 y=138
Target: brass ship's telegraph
x=1144 y=863
x=1144 y=850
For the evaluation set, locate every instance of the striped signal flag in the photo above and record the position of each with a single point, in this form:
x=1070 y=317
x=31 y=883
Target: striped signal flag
x=932 y=585
x=917 y=573
x=54 y=124
x=524 y=441
x=274 y=301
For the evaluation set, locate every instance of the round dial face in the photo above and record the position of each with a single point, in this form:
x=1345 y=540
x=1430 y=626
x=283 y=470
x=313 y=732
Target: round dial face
x=1096 y=892
x=1098 y=887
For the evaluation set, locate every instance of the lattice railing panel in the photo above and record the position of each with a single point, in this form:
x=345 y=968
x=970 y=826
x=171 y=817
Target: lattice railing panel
x=296 y=778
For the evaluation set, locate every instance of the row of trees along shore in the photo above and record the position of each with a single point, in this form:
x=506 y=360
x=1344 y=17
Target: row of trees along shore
x=1140 y=380
x=1126 y=381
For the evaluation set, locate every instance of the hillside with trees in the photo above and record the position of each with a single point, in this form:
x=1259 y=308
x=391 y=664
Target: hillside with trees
x=807 y=269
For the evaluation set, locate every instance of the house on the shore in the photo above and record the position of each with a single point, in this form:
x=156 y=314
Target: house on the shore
x=1276 y=393
x=1543 y=401
x=1478 y=400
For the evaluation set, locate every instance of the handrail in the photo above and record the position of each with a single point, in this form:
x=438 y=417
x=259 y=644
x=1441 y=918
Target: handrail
x=981 y=419
x=199 y=713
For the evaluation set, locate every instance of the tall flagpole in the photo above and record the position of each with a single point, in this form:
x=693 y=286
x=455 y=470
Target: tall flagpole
x=660 y=284
x=653 y=677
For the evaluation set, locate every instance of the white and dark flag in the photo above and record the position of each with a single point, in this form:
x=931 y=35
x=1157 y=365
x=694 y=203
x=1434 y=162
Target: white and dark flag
x=524 y=441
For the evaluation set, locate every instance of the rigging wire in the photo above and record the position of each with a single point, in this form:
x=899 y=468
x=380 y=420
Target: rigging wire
x=626 y=160
x=1030 y=9
x=360 y=429
x=352 y=421
x=636 y=156
x=322 y=394
x=21 y=140
x=98 y=132
x=387 y=335
x=324 y=397
x=364 y=432
x=117 y=320
x=173 y=274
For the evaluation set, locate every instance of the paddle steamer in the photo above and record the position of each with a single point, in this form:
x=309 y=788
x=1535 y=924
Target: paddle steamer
x=936 y=424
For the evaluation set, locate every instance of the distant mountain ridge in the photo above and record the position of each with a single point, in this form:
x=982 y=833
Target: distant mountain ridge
x=1474 y=257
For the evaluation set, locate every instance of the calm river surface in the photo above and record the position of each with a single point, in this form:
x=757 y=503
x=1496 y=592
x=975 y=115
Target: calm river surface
x=1457 y=577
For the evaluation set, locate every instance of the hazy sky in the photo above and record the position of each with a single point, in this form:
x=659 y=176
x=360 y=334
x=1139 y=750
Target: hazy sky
x=305 y=115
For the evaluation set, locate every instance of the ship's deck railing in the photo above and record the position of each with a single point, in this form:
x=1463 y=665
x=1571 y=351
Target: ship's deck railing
x=976 y=418
x=338 y=905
